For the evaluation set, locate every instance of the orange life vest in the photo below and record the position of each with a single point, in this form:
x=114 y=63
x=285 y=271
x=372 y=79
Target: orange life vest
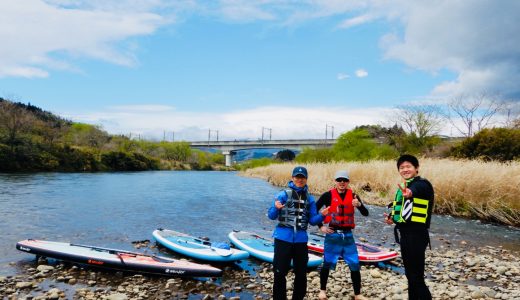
x=341 y=211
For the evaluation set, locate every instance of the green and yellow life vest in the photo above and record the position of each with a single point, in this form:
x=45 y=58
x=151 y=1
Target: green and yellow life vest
x=406 y=210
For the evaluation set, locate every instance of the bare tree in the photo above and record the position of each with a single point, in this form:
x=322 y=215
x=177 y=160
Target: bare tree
x=421 y=120
x=14 y=120
x=475 y=112
x=511 y=112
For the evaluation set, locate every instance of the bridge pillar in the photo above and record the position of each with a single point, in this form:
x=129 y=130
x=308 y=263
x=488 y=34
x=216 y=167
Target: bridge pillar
x=228 y=156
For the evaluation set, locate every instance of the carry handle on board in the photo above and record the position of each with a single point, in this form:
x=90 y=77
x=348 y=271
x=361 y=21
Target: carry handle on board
x=118 y=252
x=267 y=242
x=221 y=252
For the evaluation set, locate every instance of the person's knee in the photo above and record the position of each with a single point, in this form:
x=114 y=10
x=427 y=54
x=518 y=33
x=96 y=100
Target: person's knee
x=354 y=267
x=280 y=272
x=329 y=265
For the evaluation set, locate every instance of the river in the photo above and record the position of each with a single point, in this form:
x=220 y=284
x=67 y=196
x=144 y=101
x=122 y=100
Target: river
x=114 y=209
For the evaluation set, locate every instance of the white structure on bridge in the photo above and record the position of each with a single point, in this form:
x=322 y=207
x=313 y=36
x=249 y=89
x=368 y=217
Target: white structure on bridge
x=228 y=147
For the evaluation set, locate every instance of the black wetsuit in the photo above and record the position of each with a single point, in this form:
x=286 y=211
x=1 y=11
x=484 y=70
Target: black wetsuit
x=414 y=238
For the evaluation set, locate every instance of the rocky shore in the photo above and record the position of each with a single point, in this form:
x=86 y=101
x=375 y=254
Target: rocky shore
x=453 y=272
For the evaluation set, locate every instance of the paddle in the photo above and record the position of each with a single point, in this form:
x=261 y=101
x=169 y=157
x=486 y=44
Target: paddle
x=111 y=251
x=117 y=252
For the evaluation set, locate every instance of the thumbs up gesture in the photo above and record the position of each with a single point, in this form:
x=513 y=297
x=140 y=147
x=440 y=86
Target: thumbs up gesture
x=325 y=211
x=356 y=202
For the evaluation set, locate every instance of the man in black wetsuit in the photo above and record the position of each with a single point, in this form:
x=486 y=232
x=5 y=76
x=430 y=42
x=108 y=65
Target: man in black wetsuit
x=411 y=213
x=339 y=240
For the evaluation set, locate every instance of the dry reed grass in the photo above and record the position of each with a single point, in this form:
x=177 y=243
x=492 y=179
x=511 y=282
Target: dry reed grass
x=468 y=188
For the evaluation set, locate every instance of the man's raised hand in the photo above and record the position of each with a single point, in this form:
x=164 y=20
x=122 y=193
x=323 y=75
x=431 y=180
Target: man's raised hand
x=325 y=211
x=407 y=193
x=356 y=202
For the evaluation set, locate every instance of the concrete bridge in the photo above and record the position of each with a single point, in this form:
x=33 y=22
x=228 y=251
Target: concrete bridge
x=229 y=147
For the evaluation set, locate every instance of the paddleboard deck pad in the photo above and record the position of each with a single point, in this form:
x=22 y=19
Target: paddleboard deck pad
x=262 y=248
x=117 y=259
x=366 y=252
x=196 y=247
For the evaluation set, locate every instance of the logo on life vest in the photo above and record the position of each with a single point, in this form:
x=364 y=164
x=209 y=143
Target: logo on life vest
x=407 y=209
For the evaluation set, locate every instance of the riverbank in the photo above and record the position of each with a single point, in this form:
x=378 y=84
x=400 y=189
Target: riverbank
x=453 y=272
x=41 y=205
x=487 y=191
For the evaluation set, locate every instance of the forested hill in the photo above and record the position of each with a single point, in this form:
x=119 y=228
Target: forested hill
x=32 y=139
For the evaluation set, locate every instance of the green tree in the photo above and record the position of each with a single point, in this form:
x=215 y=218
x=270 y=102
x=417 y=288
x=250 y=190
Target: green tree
x=122 y=161
x=176 y=151
x=285 y=155
x=86 y=135
x=358 y=145
x=315 y=155
x=501 y=144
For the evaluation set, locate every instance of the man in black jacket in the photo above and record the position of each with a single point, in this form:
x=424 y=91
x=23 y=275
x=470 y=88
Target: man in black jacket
x=411 y=213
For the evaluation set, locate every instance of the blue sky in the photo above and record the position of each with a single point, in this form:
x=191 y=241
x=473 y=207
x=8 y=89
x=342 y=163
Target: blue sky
x=146 y=67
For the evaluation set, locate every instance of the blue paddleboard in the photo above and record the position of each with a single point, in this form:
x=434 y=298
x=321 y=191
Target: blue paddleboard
x=262 y=248
x=195 y=247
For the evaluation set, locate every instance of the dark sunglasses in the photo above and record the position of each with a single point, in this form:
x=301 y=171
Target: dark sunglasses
x=342 y=180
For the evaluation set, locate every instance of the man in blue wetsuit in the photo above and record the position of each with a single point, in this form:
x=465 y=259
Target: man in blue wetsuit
x=294 y=208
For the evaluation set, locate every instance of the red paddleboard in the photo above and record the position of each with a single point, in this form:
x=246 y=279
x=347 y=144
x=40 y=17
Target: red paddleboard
x=116 y=259
x=366 y=252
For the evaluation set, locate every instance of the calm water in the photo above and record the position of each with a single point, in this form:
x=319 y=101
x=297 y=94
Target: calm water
x=114 y=209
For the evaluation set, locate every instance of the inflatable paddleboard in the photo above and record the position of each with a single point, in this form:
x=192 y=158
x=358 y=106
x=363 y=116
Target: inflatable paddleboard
x=366 y=252
x=116 y=259
x=262 y=248
x=196 y=248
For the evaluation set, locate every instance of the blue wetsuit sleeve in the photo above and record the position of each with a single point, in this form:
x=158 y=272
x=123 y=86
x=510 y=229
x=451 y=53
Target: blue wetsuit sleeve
x=315 y=217
x=272 y=213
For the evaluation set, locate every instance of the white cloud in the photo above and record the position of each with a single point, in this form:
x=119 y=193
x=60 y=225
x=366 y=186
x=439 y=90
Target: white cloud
x=361 y=73
x=474 y=39
x=286 y=122
x=47 y=35
x=342 y=76
x=244 y=10
x=359 y=20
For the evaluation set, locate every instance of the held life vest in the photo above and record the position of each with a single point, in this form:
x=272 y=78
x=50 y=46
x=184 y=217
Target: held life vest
x=295 y=212
x=409 y=210
x=341 y=211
